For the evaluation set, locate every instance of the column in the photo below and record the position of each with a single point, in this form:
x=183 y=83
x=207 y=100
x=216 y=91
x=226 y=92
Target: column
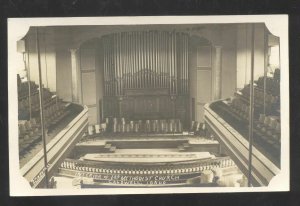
x=218 y=73
x=76 y=82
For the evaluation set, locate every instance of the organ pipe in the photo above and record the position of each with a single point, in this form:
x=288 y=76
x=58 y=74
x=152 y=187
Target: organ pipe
x=129 y=66
x=169 y=53
x=140 y=59
x=105 y=67
x=186 y=64
x=134 y=58
x=126 y=65
x=151 y=69
x=165 y=59
x=159 y=59
x=174 y=62
x=139 y=74
x=156 y=60
x=118 y=63
x=143 y=60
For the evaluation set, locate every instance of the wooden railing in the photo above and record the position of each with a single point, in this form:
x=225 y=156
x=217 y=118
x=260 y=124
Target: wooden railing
x=237 y=146
x=57 y=149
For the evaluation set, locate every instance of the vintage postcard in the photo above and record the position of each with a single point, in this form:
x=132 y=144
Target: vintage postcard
x=144 y=105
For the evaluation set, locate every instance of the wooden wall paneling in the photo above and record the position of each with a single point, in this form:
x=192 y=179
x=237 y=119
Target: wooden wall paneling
x=204 y=56
x=88 y=88
x=87 y=59
x=204 y=93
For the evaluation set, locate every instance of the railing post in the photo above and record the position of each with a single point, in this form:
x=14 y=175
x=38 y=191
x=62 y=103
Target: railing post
x=42 y=109
x=251 y=108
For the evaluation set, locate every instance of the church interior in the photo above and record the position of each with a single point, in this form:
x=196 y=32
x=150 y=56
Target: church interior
x=187 y=105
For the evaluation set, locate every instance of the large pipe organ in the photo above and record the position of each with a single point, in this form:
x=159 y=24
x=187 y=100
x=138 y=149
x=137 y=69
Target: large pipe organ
x=146 y=74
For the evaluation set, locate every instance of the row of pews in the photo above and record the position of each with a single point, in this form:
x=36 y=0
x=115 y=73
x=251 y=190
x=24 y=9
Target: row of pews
x=232 y=116
x=64 y=125
x=55 y=110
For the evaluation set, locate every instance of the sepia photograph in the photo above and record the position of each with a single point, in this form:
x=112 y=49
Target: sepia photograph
x=157 y=104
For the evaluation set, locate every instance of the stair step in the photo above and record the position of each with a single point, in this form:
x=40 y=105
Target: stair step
x=113 y=148
x=186 y=145
x=181 y=148
x=107 y=146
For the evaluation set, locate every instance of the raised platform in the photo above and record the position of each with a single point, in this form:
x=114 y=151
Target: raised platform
x=126 y=169
x=178 y=144
x=147 y=156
